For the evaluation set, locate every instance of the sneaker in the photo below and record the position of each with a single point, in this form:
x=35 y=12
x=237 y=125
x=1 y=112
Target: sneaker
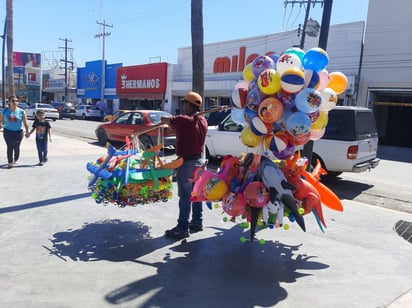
x=40 y=164
x=193 y=228
x=45 y=160
x=15 y=162
x=9 y=166
x=176 y=234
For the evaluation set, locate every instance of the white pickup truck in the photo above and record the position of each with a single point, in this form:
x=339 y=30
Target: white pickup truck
x=350 y=142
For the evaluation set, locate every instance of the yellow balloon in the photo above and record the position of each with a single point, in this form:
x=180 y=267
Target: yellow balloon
x=269 y=81
x=337 y=82
x=321 y=121
x=248 y=73
x=249 y=139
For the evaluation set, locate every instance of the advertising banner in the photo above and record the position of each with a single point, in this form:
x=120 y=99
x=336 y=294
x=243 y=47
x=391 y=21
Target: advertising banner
x=27 y=59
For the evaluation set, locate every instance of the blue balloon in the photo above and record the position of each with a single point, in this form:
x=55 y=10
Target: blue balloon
x=298 y=123
x=238 y=115
x=308 y=100
x=249 y=114
x=315 y=59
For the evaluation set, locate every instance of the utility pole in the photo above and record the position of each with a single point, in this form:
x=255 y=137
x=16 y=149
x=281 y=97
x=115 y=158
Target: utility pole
x=65 y=66
x=305 y=22
x=103 y=35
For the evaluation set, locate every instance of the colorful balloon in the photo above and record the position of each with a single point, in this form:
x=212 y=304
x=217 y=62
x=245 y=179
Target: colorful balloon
x=249 y=114
x=234 y=204
x=250 y=139
x=286 y=61
x=337 y=82
x=298 y=123
x=277 y=141
x=258 y=127
x=253 y=99
x=238 y=115
x=269 y=81
x=248 y=74
x=315 y=59
x=292 y=80
x=312 y=79
x=316 y=134
x=321 y=121
x=323 y=80
x=297 y=51
x=239 y=97
x=260 y=64
x=308 y=100
x=270 y=110
x=256 y=194
x=329 y=99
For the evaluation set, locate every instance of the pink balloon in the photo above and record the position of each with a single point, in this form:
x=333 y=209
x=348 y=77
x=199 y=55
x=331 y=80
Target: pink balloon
x=323 y=80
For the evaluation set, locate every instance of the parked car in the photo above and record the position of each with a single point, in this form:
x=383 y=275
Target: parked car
x=129 y=121
x=22 y=105
x=111 y=117
x=349 y=144
x=87 y=112
x=49 y=111
x=214 y=118
x=66 y=110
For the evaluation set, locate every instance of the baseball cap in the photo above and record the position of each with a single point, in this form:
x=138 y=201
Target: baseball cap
x=193 y=98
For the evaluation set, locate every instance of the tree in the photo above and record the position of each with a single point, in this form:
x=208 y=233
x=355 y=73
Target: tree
x=197 y=47
x=9 y=35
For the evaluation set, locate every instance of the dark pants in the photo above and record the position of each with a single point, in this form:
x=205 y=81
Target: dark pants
x=13 y=140
x=42 y=148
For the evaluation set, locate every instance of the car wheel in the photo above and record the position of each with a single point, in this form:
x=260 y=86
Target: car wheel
x=102 y=137
x=145 y=141
x=83 y=117
x=72 y=118
x=54 y=120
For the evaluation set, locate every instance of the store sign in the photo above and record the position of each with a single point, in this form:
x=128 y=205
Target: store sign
x=149 y=78
x=235 y=63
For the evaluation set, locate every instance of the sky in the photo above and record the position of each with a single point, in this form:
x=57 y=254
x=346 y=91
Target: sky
x=144 y=31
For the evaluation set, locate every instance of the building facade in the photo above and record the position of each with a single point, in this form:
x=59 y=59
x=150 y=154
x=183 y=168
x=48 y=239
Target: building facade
x=386 y=79
x=225 y=61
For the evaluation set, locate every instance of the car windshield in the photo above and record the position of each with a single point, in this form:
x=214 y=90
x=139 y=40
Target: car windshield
x=156 y=116
x=44 y=106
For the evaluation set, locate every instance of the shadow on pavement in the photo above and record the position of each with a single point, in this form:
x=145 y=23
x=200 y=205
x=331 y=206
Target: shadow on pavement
x=52 y=201
x=346 y=189
x=209 y=272
x=220 y=272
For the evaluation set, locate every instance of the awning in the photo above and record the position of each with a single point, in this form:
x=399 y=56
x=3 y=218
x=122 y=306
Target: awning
x=158 y=96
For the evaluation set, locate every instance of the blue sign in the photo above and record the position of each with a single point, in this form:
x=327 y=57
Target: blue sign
x=89 y=80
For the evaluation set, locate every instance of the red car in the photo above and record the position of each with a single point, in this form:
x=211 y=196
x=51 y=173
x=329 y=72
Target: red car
x=132 y=120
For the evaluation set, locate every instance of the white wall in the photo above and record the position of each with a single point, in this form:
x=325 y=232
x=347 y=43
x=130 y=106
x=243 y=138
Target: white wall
x=387 y=57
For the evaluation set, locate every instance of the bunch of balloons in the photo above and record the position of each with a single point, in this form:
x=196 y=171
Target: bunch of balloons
x=285 y=99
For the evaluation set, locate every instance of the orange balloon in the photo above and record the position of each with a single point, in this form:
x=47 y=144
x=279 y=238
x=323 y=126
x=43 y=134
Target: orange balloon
x=270 y=110
x=337 y=82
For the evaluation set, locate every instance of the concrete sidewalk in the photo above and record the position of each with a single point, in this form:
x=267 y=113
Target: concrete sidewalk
x=61 y=249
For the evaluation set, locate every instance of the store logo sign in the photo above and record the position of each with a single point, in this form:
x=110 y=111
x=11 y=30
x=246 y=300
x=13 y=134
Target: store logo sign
x=236 y=63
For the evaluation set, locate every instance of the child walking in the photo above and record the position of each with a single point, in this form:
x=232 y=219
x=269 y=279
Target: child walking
x=43 y=134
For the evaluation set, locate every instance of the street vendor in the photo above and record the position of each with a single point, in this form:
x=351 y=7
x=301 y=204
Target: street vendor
x=191 y=130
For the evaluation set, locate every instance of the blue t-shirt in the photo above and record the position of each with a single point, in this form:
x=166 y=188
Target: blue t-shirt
x=13 y=119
